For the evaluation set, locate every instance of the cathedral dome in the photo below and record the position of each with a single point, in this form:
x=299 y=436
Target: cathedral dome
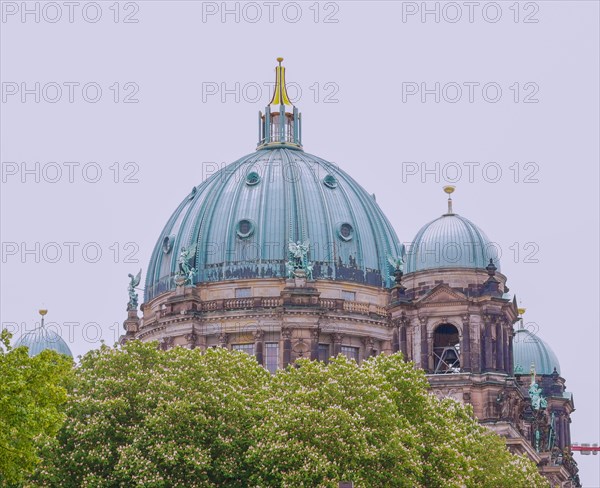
x=241 y=220
x=451 y=241
x=238 y=223
x=41 y=339
x=529 y=349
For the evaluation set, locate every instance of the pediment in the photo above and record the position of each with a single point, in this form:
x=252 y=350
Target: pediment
x=442 y=294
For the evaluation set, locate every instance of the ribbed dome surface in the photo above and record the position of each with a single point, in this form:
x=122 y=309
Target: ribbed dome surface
x=451 y=241
x=41 y=339
x=243 y=217
x=529 y=349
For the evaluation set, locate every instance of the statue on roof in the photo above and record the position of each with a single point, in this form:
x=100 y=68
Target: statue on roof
x=397 y=264
x=535 y=393
x=185 y=271
x=134 y=281
x=298 y=264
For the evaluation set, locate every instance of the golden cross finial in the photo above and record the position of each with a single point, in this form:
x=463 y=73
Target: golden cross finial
x=280 y=96
x=449 y=190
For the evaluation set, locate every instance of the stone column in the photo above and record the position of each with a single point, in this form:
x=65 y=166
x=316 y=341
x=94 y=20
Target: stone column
x=395 y=338
x=286 y=334
x=506 y=336
x=510 y=366
x=499 y=347
x=337 y=343
x=560 y=436
x=488 y=361
x=403 y=342
x=369 y=343
x=476 y=348
x=259 y=346
x=314 y=345
x=424 y=345
x=465 y=363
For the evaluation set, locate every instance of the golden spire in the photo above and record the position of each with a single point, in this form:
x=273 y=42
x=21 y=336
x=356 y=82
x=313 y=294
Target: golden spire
x=280 y=96
x=449 y=190
x=42 y=312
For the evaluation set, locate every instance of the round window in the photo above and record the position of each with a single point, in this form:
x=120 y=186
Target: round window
x=345 y=231
x=330 y=182
x=245 y=228
x=252 y=178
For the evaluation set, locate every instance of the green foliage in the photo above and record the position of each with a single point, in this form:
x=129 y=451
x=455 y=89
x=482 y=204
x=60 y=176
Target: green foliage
x=143 y=417
x=32 y=393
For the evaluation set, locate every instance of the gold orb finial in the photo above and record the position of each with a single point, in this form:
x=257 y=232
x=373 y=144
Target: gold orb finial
x=280 y=59
x=521 y=311
x=449 y=190
x=43 y=311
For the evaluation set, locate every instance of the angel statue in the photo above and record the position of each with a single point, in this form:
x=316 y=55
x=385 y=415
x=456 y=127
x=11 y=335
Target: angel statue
x=185 y=271
x=134 y=281
x=397 y=264
x=298 y=252
x=537 y=400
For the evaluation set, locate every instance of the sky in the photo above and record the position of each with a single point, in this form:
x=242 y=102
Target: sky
x=112 y=112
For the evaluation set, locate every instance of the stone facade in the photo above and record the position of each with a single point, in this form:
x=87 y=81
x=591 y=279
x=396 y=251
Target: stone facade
x=449 y=315
x=454 y=324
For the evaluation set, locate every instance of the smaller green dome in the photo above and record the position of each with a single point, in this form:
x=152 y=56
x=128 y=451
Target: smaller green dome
x=451 y=241
x=41 y=339
x=529 y=349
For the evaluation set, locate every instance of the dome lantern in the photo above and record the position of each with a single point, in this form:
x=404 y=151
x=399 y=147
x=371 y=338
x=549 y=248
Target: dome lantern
x=279 y=126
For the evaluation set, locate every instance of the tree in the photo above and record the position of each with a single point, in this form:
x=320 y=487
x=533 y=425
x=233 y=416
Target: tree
x=32 y=394
x=138 y=416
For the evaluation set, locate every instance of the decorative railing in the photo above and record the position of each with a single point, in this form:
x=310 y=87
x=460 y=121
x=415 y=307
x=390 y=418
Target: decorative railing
x=356 y=307
x=327 y=303
x=270 y=302
x=237 y=303
x=333 y=304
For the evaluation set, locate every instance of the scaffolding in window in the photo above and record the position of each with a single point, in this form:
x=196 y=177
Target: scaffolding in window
x=446 y=349
x=447 y=359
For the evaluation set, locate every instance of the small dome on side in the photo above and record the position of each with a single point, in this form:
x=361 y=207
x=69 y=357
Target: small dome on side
x=451 y=241
x=530 y=349
x=41 y=339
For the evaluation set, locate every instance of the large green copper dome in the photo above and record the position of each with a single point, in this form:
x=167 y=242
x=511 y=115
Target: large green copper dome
x=241 y=220
x=239 y=223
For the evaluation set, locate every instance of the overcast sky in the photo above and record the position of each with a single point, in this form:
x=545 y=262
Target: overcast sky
x=126 y=106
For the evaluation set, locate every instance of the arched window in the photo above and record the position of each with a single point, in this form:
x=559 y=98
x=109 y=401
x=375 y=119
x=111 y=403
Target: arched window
x=446 y=349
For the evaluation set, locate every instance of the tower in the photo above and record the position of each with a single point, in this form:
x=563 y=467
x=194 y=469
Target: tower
x=452 y=315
